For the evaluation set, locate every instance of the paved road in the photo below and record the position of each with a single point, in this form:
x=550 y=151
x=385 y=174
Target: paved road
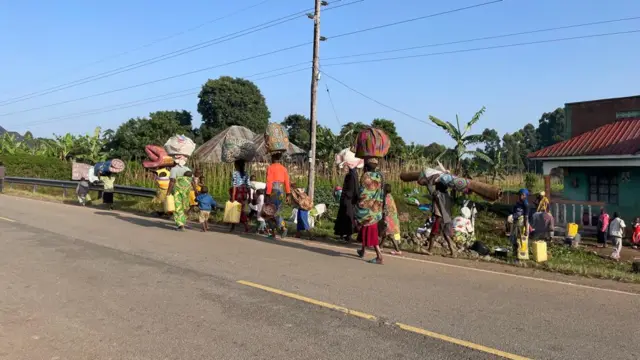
x=80 y=283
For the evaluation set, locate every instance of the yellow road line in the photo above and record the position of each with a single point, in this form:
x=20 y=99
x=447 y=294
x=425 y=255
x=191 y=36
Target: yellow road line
x=410 y=328
x=5 y=219
x=309 y=300
x=468 y=268
x=464 y=343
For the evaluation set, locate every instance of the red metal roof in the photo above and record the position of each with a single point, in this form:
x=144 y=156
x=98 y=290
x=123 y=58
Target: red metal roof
x=619 y=138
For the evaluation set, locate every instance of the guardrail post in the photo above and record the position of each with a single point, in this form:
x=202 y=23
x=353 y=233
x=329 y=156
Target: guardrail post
x=64 y=192
x=35 y=188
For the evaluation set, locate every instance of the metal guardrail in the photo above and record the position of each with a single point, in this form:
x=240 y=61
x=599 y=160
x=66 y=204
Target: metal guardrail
x=66 y=184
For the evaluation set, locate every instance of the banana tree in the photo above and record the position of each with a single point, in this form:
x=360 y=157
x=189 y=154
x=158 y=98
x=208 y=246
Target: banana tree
x=10 y=145
x=462 y=139
x=64 y=145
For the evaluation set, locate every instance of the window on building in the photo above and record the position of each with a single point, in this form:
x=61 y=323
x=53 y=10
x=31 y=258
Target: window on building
x=604 y=188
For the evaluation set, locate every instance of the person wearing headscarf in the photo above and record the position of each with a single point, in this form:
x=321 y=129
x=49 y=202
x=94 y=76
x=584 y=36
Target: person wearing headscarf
x=369 y=210
x=345 y=225
x=240 y=192
x=278 y=191
x=520 y=214
x=543 y=202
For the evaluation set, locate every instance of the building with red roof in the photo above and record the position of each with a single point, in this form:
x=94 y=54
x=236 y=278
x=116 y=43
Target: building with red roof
x=601 y=158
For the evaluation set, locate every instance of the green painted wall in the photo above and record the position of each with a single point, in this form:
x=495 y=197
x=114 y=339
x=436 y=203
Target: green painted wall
x=628 y=205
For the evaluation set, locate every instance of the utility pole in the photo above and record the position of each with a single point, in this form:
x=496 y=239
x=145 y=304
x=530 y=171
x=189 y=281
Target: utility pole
x=315 y=72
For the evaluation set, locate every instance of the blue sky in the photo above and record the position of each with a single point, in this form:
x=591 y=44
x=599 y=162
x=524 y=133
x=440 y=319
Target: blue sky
x=47 y=43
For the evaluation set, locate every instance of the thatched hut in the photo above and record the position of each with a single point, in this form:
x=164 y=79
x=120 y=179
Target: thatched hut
x=211 y=151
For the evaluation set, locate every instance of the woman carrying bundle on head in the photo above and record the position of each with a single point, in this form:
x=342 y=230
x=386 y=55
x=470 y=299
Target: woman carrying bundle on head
x=278 y=191
x=369 y=210
x=240 y=192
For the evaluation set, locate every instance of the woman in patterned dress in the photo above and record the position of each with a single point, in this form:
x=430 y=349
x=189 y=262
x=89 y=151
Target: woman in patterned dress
x=368 y=211
x=278 y=191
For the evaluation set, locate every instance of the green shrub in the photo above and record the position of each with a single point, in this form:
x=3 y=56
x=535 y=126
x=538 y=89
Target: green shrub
x=35 y=166
x=530 y=181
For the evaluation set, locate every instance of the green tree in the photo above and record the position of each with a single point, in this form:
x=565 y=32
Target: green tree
x=497 y=169
x=298 y=127
x=130 y=138
x=349 y=132
x=513 y=145
x=551 y=128
x=327 y=144
x=463 y=139
x=230 y=101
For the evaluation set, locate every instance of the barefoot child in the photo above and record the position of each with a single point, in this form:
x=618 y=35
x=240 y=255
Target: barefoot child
x=206 y=204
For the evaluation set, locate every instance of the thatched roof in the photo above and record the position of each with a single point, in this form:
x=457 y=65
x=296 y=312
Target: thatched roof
x=211 y=151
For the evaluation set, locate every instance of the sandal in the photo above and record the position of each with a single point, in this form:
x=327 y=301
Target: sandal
x=396 y=252
x=361 y=253
x=375 y=261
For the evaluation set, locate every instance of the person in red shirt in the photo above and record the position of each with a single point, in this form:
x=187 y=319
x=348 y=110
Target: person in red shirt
x=278 y=191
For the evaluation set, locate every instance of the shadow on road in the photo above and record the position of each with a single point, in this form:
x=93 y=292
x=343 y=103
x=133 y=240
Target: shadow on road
x=137 y=221
x=221 y=229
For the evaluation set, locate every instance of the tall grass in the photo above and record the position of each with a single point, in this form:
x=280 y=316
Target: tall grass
x=218 y=176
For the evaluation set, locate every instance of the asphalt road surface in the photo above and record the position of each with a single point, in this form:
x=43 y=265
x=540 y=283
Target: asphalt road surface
x=81 y=283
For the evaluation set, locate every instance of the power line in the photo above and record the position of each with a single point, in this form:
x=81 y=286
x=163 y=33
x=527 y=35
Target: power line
x=332 y=105
x=168 y=37
x=415 y=19
x=253 y=57
x=484 y=48
x=376 y=101
x=486 y=38
x=153 y=99
x=154 y=81
x=176 y=53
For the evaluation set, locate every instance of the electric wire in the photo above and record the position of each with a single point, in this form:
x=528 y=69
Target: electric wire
x=171 y=55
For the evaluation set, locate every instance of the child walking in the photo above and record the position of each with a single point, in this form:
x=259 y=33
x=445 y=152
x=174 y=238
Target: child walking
x=392 y=231
x=82 y=191
x=616 y=230
x=257 y=206
x=206 y=204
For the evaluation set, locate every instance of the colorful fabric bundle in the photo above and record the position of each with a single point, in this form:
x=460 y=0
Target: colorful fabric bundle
x=180 y=145
x=302 y=199
x=238 y=149
x=372 y=142
x=276 y=138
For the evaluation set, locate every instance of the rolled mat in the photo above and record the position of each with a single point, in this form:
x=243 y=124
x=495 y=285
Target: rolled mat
x=409 y=176
x=116 y=166
x=489 y=192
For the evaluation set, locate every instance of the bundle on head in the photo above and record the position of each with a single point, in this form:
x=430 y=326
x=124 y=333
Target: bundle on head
x=372 y=143
x=234 y=149
x=276 y=138
x=430 y=176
